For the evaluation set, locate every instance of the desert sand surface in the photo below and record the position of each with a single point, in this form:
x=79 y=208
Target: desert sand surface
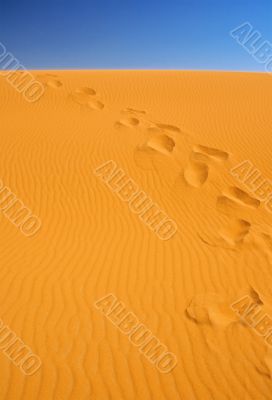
x=178 y=136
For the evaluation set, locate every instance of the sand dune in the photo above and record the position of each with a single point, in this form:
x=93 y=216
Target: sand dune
x=176 y=136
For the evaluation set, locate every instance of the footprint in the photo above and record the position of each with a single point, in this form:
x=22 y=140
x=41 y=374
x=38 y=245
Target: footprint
x=211 y=309
x=215 y=241
x=227 y=206
x=196 y=173
x=229 y=237
x=213 y=153
x=166 y=127
x=50 y=80
x=255 y=295
x=235 y=232
x=154 y=129
x=95 y=105
x=231 y=201
x=249 y=306
x=241 y=197
x=84 y=96
x=127 y=123
x=86 y=90
x=199 y=157
x=162 y=143
x=129 y=110
x=245 y=301
x=55 y=84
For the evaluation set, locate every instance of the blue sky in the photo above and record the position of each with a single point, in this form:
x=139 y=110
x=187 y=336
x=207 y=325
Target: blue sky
x=124 y=34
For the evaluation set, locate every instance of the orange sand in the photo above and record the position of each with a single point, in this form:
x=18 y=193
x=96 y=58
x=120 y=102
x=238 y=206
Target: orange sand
x=177 y=135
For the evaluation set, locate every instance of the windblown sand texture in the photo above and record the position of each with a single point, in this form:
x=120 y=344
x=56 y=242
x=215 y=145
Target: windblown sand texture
x=177 y=134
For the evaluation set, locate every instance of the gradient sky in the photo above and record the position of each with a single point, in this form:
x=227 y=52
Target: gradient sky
x=124 y=34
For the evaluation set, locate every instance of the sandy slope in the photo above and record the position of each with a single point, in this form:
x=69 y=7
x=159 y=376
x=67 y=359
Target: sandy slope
x=154 y=126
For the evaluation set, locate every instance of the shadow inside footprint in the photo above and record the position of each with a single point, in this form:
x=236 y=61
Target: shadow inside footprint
x=162 y=143
x=50 y=80
x=242 y=197
x=154 y=129
x=127 y=123
x=95 y=105
x=196 y=173
x=213 y=153
x=235 y=232
x=130 y=110
x=83 y=96
x=167 y=127
x=53 y=83
x=211 y=309
x=86 y=90
x=199 y=157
